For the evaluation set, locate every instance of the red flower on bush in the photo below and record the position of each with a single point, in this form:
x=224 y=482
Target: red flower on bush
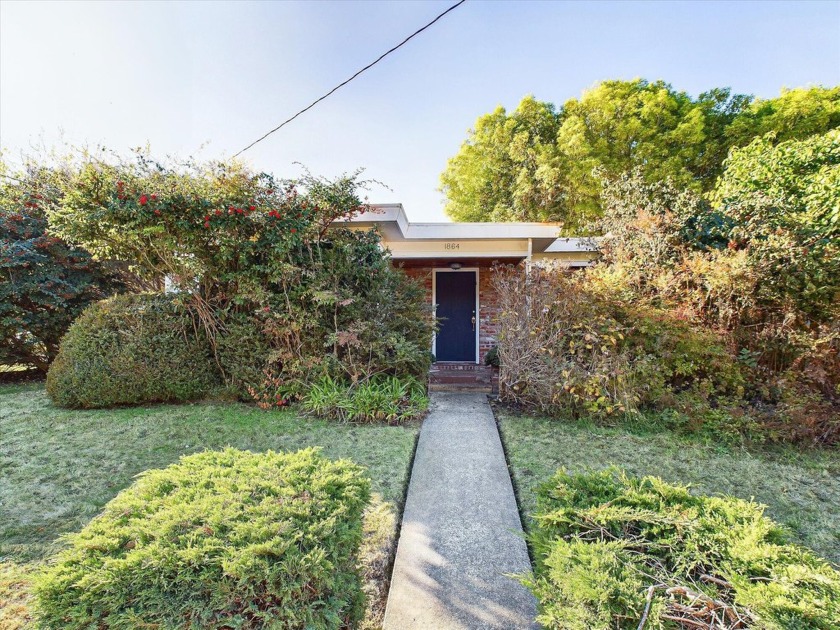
x=144 y=199
x=293 y=230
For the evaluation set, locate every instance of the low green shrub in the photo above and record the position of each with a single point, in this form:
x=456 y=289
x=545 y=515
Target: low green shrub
x=381 y=399
x=243 y=351
x=131 y=349
x=227 y=539
x=684 y=357
x=611 y=550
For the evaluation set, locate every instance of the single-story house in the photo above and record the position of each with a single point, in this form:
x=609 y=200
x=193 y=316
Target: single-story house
x=456 y=260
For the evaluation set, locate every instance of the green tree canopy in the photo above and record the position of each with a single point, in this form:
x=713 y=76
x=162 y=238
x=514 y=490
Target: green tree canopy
x=783 y=202
x=798 y=179
x=44 y=282
x=539 y=163
x=497 y=174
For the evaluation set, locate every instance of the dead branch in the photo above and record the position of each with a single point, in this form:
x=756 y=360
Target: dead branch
x=702 y=610
x=684 y=622
x=715 y=580
x=648 y=601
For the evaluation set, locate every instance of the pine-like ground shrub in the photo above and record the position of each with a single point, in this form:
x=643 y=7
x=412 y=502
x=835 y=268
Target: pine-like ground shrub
x=618 y=552
x=131 y=349
x=228 y=539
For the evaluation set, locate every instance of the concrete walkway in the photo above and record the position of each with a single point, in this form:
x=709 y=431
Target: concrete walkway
x=461 y=532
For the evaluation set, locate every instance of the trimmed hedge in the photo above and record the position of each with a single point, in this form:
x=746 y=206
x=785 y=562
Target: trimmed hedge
x=227 y=539
x=131 y=349
x=611 y=549
x=244 y=352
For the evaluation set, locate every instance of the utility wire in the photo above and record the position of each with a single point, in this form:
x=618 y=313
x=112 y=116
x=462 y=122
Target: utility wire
x=342 y=84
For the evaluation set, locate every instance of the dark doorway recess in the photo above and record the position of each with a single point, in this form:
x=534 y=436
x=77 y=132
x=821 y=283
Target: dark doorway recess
x=455 y=299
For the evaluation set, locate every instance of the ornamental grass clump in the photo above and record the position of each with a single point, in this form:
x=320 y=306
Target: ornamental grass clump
x=618 y=552
x=228 y=539
x=381 y=399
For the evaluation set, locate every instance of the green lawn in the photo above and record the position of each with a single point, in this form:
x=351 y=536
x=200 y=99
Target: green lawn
x=800 y=489
x=59 y=467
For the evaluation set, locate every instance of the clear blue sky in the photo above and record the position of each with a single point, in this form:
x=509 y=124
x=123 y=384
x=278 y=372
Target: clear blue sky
x=182 y=76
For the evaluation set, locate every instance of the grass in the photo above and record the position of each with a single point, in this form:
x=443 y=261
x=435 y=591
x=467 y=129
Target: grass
x=801 y=489
x=58 y=468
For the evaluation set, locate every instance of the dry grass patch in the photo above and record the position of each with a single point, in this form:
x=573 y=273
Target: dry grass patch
x=58 y=468
x=801 y=489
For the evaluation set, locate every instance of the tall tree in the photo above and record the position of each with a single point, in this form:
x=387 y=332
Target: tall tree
x=496 y=174
x=621 y=125
x=794 y=115
x=511 y=168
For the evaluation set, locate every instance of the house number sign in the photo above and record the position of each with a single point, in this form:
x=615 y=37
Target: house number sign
x=452 y=246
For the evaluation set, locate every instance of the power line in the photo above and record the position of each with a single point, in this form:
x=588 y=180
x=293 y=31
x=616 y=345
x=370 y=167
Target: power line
x=342 y=84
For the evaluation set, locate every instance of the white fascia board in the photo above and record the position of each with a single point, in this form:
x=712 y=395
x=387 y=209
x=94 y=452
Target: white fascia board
x=392 y=220
x=441 y=256
x=480 y=231
x=572 y=244
x=383 y=213
x=395 y=213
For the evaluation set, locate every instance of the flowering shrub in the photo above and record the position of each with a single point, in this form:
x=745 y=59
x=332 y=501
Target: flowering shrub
x=282 y=295
x=215 y=230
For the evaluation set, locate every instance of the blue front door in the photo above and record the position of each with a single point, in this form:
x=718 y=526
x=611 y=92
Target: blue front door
x=455 y=299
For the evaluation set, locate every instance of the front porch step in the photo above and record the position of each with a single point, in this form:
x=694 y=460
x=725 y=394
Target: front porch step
x=462 y=377
x=465 y=388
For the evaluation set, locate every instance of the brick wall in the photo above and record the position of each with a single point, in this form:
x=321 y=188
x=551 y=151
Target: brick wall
x=488 y=302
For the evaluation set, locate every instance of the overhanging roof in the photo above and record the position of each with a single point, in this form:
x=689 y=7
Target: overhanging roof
x=395 y=227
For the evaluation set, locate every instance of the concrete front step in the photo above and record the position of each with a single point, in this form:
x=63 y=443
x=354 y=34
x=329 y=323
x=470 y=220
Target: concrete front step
x=461 y=387
x=466 y=377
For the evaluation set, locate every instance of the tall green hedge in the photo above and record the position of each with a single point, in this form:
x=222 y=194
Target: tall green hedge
x=131 y=349
x=611 y=551
x=227 y=539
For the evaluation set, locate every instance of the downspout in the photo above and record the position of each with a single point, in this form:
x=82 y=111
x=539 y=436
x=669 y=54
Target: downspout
x=528 y=258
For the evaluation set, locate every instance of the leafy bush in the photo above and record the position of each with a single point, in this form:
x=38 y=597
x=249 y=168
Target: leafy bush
x=131 y=349
x=388 y=399
x=220 y=539
x=351 y=316
x=567 y=344
x=611 y=551
x=44 y=282
x=243 y=350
